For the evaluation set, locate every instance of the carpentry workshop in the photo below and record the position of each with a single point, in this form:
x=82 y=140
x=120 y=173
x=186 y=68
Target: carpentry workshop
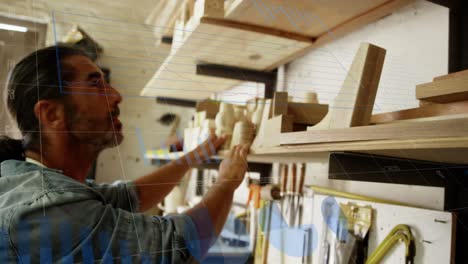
x=234 y=131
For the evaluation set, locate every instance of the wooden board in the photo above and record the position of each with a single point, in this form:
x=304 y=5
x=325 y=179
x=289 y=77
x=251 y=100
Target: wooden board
x=307 y=113
x=311 y=18
x=217 y=41
x=386 y=217
x=260 y=133
x=445 y=150
x=211 y=107
x=280 y=104
x=424 y=111
x=334 y=32
x=354 y=103
x=408 y=130
x=444 y=91
x=214 y=8
x=273 y=129
x=452 y=75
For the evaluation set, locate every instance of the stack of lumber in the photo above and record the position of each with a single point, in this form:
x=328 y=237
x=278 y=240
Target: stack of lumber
x=424 y=112
x=445 y=89
x=444 y=98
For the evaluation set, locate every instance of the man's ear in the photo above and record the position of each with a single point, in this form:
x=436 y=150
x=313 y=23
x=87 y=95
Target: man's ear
x=51 y=114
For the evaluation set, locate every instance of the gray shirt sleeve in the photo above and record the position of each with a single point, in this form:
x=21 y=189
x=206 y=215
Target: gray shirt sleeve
x=119 y=194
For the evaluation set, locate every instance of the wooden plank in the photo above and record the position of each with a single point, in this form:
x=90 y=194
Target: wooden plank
x=402 y=145
x=211 y=107
x=447 y=150
x=444 y=91
x=423 y=103
x=335 y=32
x=354 y=103
x=273 y=129
x=306 y=113
x=214 y=8
x=258 y=29
x=432 y=118
x=260 y=133
x=431 y=110
x=214 y=42
x=280 y=104
x=311 y=18
x=406 y=130
x=452 y=75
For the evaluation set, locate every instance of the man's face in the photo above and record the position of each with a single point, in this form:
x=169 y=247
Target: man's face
x=92 y=106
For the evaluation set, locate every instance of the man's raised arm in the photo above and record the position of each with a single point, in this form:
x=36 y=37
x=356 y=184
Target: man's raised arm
x=152 y=188
x=211 y=213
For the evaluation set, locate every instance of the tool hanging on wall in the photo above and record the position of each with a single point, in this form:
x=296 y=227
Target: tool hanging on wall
x=292 y=195
x=284 y=184
x=252 y=205
x=301 y=193
x=262 y=197
x=344 y=236
x=398 y=233
x=357 y=220
x=292 y=192
x=269 y=193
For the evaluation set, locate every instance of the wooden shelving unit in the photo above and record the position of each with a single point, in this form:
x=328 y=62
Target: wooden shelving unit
x=446 y=150
x=311 y=18
x=218 y=41
x=248 y=37
x=256 y=163
x=164 y=158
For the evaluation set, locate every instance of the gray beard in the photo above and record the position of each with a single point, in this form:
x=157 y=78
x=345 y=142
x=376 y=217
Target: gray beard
x=87 y=131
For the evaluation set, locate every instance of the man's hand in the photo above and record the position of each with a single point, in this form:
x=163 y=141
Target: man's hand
x=232 y=169
x=206 y=149
x=211 y=213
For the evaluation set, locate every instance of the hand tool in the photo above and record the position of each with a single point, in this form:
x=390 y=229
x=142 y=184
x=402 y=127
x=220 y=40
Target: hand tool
x=301 y=193
x=284 y=184
x=254 y=195
x=265 y=196
x=292 y=213
x=266 y=239
x=400 y=233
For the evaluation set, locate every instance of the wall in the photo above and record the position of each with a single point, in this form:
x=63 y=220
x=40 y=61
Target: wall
x=416 y=40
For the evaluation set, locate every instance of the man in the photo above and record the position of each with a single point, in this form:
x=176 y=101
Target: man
x=68 y=114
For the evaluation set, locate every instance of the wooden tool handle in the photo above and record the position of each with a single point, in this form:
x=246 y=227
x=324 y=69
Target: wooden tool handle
x=285 y=179
x=294 y=177
x=302 y=178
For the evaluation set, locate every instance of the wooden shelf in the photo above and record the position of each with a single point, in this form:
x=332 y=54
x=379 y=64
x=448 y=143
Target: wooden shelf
x=163 y=158
x=311 y=18
x=219 y=41
x=446 y=150
x=248 y=38
x=325 y=21
x=256 y=164
x=449 y=150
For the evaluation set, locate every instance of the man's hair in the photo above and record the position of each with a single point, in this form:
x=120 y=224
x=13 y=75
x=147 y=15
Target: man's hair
x=39 y=76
